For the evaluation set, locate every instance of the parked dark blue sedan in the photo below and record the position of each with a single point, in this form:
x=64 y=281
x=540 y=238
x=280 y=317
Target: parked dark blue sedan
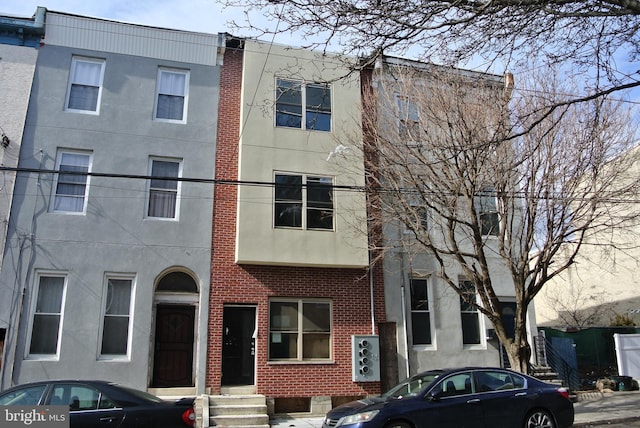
x=460 y=398
x=98 y=404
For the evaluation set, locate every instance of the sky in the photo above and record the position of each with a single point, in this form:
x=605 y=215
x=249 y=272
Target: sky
x=206 y=16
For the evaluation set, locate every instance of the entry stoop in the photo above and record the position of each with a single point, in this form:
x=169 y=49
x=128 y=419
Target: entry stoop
x=239 y=411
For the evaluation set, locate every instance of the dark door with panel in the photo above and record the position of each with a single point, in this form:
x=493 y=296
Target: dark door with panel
x=238 y=345
x=174 y=342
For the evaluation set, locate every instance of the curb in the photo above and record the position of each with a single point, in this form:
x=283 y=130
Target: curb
x=588 y=396
x=606 y=422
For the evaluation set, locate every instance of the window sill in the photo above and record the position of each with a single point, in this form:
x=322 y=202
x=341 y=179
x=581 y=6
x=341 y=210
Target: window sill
x=173 y=219
x=40 y=357
x=89 y=112
x=298 y=362
x=164 y=120
x=114 y=358
x=479 y=347
x=419 y=348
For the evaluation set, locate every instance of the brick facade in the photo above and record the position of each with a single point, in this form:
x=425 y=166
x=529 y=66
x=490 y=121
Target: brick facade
x=348 y=289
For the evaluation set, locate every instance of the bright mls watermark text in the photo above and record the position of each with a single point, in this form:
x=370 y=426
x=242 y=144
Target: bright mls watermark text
x=34 y=416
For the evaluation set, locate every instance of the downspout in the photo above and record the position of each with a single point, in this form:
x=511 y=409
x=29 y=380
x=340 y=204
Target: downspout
x=403 y=306
x=371 y=297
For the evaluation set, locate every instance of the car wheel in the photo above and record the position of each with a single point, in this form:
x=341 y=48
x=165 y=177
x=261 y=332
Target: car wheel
x=397 y=424
x=539 y=419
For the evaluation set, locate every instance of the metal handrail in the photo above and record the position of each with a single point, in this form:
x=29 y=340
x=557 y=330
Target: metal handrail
x=568 y=374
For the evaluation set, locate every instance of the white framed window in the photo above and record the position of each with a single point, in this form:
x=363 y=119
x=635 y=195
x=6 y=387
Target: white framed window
x=71 y=184
x=303 y=201
x=172 y=95
x=164 y=188
x=46 y=323
x=421 y=313
x=299 y=329
x=469 y=314
x=409 y=128
x=417 y=219
x=488 y=212
x=117 y=314
x=85 y=85
x=303 y=105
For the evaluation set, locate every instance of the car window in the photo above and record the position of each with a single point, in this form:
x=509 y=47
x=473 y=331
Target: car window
x=28 y=396
x=80 y=397
x=455 y=385
x=412 y=386
x=498 y=381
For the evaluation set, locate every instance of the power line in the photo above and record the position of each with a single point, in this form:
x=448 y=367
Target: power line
x=220 y=181
x=348 y=188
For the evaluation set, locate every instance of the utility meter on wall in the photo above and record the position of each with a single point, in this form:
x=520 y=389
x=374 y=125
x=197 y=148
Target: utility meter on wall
x=365 y=358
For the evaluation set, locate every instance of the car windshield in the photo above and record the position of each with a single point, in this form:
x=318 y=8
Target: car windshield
x=412 y=386
x=27 y=396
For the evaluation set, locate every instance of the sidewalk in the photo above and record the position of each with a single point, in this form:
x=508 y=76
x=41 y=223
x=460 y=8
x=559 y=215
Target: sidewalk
x=594 y=408
x=610 y=407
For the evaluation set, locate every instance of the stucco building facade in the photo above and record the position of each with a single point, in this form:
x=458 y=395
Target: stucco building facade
x=107 y=261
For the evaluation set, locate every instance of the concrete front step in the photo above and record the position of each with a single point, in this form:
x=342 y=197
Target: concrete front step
x=173 y=393
x=237 y=400
x=239 y=421
x=237 y=411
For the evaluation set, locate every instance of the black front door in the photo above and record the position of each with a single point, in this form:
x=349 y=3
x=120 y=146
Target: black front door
x=238 y=345
x=174 y=340
x=509 y=318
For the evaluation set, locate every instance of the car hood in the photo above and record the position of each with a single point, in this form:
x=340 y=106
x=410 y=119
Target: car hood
x=357 y=406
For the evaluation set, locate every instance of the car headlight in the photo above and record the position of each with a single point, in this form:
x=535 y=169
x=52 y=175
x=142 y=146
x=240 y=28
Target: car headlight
x=357 y=418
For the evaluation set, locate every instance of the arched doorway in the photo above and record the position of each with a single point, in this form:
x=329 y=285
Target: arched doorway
x=176 y=301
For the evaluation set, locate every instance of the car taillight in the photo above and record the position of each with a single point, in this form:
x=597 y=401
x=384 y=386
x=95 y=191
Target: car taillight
x=189 y=417
x=564 y=392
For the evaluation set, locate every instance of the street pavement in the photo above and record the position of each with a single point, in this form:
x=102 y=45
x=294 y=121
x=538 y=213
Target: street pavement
x=596 y=409
x=592 y=410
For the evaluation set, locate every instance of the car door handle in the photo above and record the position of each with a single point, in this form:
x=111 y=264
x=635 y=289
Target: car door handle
x=108 y=419
x=474 y=401
x=520 y=394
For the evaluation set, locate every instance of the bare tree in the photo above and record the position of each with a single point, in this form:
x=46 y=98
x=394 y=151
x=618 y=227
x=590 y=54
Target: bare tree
x=601 y=36
x=577 y=307
x=449 y=161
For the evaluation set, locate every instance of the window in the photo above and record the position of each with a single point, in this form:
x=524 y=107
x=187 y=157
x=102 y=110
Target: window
x=408 y=119
x=85 y=85
x=417 y=217
x=164 y=188
x=304 y=202
x=420 y=314
x=299 y=329
x=303 y=106
x=172 y=95
x=115 y=330
x=25 y=396
x=71 y=183
x=47 y=317
x=80 y=397
x=498 y=381
x=489 y=221
x=470 y=319
x=455 y=385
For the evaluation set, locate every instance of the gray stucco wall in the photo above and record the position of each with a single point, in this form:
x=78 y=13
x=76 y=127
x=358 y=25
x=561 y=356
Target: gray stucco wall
x=113 y=236
x=17 y=65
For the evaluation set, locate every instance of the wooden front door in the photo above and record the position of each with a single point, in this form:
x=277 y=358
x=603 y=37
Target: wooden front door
x=174 y=342
x=238 y=345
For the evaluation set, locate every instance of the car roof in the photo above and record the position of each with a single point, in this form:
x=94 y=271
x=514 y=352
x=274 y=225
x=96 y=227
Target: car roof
x=61 y=381
x=446 y=371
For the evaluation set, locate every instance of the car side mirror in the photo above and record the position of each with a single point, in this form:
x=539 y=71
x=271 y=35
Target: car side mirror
x=434 y=395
